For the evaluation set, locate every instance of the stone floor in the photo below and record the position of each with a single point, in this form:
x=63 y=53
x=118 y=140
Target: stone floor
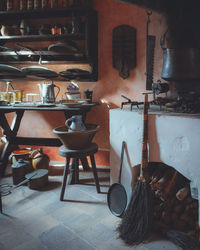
x=37 y=220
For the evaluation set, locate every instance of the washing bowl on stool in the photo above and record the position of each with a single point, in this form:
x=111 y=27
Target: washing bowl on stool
x=76 y=139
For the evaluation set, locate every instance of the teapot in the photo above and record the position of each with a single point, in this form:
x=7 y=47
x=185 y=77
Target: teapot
x=47 y=92
x=76 y=123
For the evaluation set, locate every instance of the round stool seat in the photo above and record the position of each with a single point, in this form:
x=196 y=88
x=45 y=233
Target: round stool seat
x=92 y=148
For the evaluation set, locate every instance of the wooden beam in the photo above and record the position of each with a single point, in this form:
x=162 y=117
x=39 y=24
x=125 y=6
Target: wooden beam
x=154 y=5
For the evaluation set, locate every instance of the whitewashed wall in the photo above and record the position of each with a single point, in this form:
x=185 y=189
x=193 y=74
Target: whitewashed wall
x=174 y=139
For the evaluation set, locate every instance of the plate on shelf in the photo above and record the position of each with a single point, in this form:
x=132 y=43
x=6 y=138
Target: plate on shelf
x=74 y=73
x=63 y=47
x=39 y=72
x=7 y=70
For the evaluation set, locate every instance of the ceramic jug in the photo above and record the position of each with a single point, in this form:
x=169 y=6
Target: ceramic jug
x=39 y=159
x=76 y=123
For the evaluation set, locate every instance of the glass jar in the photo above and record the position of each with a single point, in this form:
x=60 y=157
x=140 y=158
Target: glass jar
x=53 y=4
x=37 y=4
x=22 y=5
x=44 y=4
x=29 y=4
x=56 y=30
x=65 y=3
x=9 y=5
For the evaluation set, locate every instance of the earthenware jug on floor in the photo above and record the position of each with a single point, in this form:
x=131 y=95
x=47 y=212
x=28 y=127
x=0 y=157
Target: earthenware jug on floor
x=76 y=123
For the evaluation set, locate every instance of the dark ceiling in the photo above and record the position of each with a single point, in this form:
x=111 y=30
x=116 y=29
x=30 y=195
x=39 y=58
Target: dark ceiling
x=183 y=19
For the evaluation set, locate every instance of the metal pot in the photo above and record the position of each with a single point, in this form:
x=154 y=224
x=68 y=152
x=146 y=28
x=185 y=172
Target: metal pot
x=47 y=92
x=20 y=169
x=38 y=181
x=181 y=64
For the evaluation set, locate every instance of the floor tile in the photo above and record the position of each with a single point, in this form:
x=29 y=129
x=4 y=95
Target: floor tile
x=38 y=220
x=57 y=237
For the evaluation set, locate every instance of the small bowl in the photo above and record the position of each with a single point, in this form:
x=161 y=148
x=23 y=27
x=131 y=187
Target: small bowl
x=76 y=139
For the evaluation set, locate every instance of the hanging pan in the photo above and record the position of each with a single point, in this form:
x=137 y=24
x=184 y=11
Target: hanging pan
x=117 y=197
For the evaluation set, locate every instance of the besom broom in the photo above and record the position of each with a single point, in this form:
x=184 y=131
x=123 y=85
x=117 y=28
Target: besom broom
x=137 y=222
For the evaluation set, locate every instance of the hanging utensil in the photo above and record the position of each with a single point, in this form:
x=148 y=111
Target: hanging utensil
x=124 y=49
x=117 y=197
x=150 y=46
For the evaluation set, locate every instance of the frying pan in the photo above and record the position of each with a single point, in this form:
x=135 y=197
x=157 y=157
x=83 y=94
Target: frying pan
x=117 y=197
x=36 y=179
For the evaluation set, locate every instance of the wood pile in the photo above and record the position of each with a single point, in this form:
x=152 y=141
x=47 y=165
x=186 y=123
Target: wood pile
x=174 y=207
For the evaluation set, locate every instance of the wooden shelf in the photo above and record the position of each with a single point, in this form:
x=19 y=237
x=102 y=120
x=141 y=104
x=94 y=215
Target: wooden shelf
x=44 y=13
x=33 y=38
x=88 y=40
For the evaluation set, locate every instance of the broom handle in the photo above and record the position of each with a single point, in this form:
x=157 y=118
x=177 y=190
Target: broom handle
x=144 y=162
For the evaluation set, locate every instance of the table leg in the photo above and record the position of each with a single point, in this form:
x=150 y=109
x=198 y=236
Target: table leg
x=1 y=210
x=10 y=133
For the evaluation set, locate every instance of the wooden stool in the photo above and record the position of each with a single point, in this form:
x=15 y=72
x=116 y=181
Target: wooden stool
x=76 y=155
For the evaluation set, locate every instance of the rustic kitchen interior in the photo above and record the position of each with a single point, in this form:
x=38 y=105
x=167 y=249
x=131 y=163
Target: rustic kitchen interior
x=98 y=59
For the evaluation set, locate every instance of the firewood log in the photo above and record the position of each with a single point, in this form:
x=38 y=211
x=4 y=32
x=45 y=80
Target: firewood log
x=183 y=193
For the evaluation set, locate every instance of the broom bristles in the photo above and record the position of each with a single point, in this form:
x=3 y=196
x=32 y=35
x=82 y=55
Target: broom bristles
x=137 y=221
x=183 y=240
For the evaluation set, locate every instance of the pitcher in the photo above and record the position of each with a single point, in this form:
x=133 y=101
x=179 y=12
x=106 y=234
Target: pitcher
x=47 y=92
x=76 y=123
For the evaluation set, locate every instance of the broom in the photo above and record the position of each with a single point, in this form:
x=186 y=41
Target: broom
x=137 y=222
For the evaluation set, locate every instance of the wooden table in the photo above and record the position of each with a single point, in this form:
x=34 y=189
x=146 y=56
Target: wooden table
x=10 y=131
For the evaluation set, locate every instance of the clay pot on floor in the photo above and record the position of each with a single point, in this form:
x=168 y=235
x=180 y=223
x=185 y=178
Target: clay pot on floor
x=39 y=159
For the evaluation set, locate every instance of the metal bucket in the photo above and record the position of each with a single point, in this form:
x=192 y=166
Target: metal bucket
x=181 y=64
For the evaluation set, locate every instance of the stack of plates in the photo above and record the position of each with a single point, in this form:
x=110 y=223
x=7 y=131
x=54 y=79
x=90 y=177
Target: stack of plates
x=8 y=72
x=74 y=73
x=39 y=72
x=73 y=103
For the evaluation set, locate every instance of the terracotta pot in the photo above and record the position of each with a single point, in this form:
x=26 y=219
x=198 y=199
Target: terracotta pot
x=20 y=154
x=39 y=159
x=76 y=139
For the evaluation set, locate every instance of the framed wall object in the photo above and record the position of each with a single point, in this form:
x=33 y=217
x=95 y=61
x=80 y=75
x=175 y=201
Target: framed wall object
x=124 y=49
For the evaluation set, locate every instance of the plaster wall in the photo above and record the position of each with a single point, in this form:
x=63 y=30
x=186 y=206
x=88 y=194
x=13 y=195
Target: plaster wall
x=107 y=91
x=173 y=139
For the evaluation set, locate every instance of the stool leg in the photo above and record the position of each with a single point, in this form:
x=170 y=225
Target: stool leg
x=64 y=178
x=95 y=173
x=76 y=170
x=85 y=163
x=72 y=179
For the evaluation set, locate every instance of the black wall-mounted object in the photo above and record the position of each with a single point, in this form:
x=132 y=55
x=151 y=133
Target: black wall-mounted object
x=124 y=49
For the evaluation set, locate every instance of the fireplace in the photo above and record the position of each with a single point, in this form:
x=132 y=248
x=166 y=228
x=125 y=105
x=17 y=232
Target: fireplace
x=173 y=140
